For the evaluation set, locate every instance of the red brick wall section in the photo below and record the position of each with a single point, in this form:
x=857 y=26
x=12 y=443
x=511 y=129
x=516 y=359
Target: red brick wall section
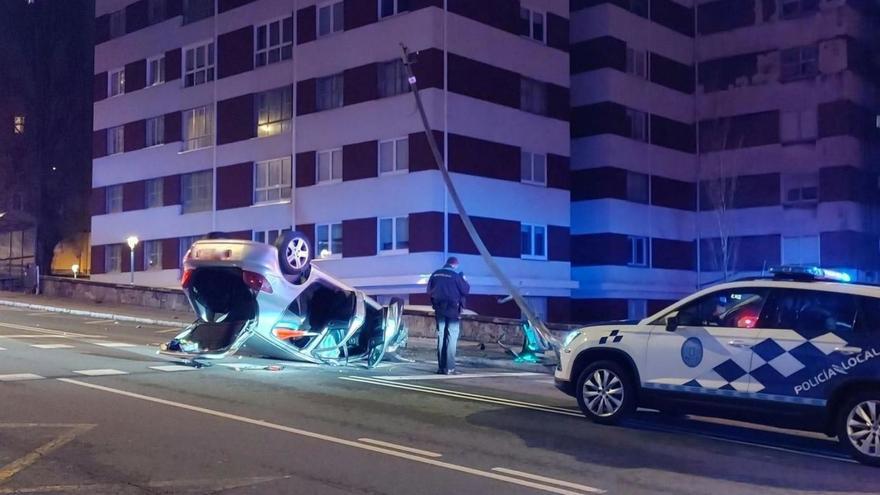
x=172 y=65
x=135 y=75
x=172 y=123
x=171 y=190
x=558 y=243
x=99 y=143
x=360 y=161
x=479 y=80
x=99 y=201
x=420 y=156
x=226 y=5
x=558 y=171
x=359 y=13
x=472 y=156
x=306 y=25
x=593 y=310
x=557 y=32
x=242 y=235
x=235 y=119
x=235 y=186
x=487 y=305
x=500 y=236
x=426 y=232
x=97 y=260
x=308 y=229
x=428 y=68
x=135 y=135
x=171 y=253
x=359 y=237
x=99 y=87
x=136 y=16
x=673 y=254
x=360 y=84
x=559 y=309
x=235 y=52
x=306 y=97
x=305 y=169
x=133 y=196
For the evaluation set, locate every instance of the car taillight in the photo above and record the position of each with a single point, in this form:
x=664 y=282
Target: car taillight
x=285 y=333
x=184 y=279
x=256 y=282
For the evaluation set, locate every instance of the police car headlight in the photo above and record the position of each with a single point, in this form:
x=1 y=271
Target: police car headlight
x=570 y=337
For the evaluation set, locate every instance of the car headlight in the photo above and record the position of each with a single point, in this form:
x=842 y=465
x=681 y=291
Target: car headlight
x=570 y=337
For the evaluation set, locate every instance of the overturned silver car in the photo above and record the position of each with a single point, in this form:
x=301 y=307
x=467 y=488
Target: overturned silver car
x=273 y=301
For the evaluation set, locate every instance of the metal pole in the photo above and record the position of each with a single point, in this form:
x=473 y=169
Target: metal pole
x=131 y=265
x=534 y=321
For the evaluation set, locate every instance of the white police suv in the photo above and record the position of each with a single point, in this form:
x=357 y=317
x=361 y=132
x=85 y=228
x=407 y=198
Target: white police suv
x=800 y=349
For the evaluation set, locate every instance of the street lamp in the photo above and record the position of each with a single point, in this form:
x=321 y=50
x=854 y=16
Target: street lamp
x=132 y=243
x=75 y=270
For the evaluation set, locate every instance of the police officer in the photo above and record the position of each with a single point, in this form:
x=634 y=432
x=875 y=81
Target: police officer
x=447 y=289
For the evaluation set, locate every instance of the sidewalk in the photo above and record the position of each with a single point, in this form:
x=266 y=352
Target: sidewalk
x=470 y=354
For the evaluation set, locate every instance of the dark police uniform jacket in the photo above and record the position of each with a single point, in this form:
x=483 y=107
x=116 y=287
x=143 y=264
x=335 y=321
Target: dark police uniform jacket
x=447 y=289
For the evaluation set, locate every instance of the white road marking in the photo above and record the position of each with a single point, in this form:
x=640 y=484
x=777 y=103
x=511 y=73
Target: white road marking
x=46 y=330
x=38 y=336
x=20 y=376
x=52 y=346
x=567 y=484
x=101 y=372
x=456 y=377
x=114 y=344
x=171 y=330
x=173 y=367
x=2 y=348
x=330 y=439
x=467 y=396
x=40 y=313
x=426 y=453
x=98 y=322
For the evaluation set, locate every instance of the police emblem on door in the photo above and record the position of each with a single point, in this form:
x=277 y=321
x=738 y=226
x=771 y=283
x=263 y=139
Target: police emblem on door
x=692 y=352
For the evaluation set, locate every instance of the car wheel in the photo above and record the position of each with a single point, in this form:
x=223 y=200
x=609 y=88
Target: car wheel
x=605 y=392
x=858 y=427
x=294 y=253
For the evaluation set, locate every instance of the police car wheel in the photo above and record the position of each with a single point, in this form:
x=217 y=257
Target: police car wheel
x=605 y=392
x=858 y=428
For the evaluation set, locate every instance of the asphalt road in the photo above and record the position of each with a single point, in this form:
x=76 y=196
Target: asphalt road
x=87 y=406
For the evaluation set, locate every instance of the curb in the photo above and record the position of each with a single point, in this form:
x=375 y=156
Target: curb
x=91 y=314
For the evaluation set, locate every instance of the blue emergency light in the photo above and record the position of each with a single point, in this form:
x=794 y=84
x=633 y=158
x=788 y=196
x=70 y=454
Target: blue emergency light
x=808 y=273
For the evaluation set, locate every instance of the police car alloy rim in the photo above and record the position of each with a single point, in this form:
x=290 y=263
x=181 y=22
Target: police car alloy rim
x=297 y=253
x=603 y=393
x=863 y=427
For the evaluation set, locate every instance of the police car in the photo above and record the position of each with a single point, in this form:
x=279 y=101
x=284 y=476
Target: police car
x=799 y=349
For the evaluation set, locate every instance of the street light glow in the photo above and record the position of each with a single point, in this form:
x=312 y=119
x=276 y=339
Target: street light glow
x=132 y=241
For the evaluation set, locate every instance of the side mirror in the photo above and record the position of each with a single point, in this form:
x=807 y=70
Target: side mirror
x=671 y=322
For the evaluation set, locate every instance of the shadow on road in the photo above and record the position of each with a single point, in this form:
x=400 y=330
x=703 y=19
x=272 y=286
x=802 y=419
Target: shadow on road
x=692 y=447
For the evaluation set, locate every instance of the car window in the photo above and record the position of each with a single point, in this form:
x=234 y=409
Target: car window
x=868 y=319
x=811 y=312
x=736 y=308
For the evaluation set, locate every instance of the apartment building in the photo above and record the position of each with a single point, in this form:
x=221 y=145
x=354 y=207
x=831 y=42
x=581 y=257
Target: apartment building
x=713 y=139
x=253 y=117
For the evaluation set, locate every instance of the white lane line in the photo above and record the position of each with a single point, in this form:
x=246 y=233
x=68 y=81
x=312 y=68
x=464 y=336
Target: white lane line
x=114 y=344
x=456 y=377
x=98 y=322
x=330 y=439
x=567 y=484
x=52 y=346
x=46 y=330
x=170 y=330
x=468 y=396
x=38 y=336
x=2 y=348
x=101 y=372
x=40 y=313
x=19 y=376
x=426 y=453
x=173 y=367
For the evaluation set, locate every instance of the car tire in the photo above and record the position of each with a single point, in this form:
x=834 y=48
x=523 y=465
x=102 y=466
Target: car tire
x=858 y=426
x=294 y=253
x=605 y=392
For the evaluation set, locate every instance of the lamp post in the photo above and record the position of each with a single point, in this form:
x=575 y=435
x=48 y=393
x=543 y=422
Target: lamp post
x=75 y=270
x=132 y=243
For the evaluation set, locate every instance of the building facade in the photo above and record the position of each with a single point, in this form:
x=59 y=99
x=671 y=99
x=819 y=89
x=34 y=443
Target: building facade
x=714 y=139
x=253 y=117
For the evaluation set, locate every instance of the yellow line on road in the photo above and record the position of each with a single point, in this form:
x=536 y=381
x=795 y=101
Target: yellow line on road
x=11 y=469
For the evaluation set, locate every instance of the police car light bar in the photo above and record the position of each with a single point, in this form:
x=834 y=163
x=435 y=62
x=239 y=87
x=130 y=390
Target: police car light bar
x=809 y=272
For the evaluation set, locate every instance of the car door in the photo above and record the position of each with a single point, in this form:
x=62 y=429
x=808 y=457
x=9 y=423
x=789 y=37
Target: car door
x=806 y=348
x=709 y=350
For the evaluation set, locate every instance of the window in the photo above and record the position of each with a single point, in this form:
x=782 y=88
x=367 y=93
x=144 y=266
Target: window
x=155 y=11
x=154 y=193
x=329 y=92
x=392 y=78
x=272 y=181
x=274 y=111
x=637 y=62
x=155 y=131
x=330 y=18
x=196 y=10
x=637 y=187
x=186 y=243
x=113 y=258
x=394 y=155
x=18 y=124
x=800 y=188
x=388 y=8
x=638 y=251
x=197 y=190
x=117 y=23
x=115 y=140
x=733 y=308
x=811 y=312
x=268 y=236
x=328 y=238
x=116 y=82
x=114 y=198
x=636 y=309
x=152 y=255
x=533 y=168
x=638 y=125
x=799 y=62
x=274 y=42
x=198 y=128
x=795 y=8
x=533 y=96
x=533 y=241
x=155 y=70
x=329 y=166
x=199 y=64
x=393 y=234
x=531 y=25
x=798 y=126
x=800 y=250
